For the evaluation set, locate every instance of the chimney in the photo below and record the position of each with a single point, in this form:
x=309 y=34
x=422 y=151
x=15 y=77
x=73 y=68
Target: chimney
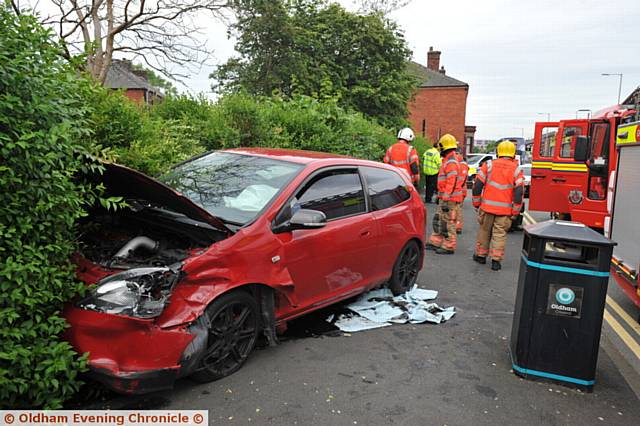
x=433 y=59
x=442 y=70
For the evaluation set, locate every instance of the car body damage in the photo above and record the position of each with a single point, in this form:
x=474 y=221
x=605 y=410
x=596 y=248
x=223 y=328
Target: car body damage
x=179 y=289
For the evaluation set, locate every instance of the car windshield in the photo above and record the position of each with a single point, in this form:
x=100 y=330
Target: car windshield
x=232 y=187
x=474 y=160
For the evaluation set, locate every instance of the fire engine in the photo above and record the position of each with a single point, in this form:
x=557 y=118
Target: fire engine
x=573 y=163
x=587 y=170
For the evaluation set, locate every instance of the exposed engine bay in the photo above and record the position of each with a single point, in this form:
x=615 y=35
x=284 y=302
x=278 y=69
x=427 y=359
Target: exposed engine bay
x=134 y=250
x=143 y=245
x=142 y=235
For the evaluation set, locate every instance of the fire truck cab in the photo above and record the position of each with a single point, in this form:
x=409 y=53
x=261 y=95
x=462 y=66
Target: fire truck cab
x=573 y=164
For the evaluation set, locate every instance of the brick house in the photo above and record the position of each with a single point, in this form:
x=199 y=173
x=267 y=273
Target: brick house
x=135 y=83
x=440 y=103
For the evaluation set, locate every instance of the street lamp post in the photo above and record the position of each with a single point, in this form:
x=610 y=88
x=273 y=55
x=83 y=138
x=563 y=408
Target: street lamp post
x=548 y=114
x=588 y=111
x=619 y=83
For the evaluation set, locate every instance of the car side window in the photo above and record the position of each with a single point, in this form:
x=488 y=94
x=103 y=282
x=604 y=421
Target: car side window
x=386 y=188
x=336 y=193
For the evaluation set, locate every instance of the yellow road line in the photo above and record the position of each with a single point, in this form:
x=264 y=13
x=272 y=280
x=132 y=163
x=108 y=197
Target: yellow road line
x=624 y=335
x=528 y=216
x=625 y=316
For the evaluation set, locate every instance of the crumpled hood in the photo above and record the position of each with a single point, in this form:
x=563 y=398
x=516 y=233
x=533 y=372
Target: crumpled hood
x=123 y=181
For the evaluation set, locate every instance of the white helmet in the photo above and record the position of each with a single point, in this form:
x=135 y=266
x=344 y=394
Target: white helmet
x=406 y=134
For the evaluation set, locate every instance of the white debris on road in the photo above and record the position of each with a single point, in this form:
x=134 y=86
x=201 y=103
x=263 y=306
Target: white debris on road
x=379 y=308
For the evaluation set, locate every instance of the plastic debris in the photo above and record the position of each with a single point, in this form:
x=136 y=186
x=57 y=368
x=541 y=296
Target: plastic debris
x=379 y=308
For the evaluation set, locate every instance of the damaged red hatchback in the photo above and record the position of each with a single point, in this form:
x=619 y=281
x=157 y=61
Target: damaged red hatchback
x=228 y=247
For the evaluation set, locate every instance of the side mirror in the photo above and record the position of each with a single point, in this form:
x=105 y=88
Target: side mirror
x=581 y=152
x=302 y=219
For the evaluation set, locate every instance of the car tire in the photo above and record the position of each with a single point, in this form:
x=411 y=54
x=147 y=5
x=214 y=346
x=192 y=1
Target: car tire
x=233 y=326
x=405 y=270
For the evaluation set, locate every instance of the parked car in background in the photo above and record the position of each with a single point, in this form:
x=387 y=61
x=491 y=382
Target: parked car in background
x=475 y=161
x=225 y=249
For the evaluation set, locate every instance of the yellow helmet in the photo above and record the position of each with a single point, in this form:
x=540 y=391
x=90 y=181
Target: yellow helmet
x=506 y=149
x=447 y=141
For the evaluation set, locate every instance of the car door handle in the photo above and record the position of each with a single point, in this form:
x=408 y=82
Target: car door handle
x=538 y=177
x=365 y=233
x=559 y=179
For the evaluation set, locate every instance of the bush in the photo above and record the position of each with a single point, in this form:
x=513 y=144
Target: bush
x=163 y=144
x=43 y=132
x=184 y=126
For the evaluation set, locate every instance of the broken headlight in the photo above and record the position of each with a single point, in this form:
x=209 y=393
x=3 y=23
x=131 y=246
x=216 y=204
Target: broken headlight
x=140 y=293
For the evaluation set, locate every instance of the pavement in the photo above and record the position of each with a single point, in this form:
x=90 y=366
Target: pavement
x=456 y=373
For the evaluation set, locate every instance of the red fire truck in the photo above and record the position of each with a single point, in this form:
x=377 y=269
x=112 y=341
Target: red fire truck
x=587 y=170
x=573 y=162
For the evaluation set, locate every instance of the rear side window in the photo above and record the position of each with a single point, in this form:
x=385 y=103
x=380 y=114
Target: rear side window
x=337 y=194
x=386 y=188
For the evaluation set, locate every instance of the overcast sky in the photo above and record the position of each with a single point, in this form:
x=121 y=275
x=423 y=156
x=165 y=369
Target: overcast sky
x=519 y=57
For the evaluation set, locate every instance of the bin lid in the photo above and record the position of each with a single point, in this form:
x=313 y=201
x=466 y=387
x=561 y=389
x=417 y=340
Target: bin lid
x=568 y=231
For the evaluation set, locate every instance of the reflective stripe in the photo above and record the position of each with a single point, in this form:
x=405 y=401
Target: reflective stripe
x=517 y=172
x=499 y=185
x=453 y=194
x=398 y=163
x=451 y=173
x=451 y=160
x=497 y=203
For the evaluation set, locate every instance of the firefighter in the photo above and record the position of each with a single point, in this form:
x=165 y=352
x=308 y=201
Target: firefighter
x=497 y=196
x=431 y=162
x=403 y=156
x=462 y=188
x=443 y=238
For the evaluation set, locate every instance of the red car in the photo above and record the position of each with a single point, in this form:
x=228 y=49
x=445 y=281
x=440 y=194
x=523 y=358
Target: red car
x=226 y=248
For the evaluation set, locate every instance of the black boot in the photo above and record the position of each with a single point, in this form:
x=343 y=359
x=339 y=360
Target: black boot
x=495 y=265
x=480 y=259
x=430 y=246
x=444 y=251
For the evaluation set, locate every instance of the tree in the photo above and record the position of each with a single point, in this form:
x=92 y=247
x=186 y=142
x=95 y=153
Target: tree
x=160 y=32
x=381 y=6
x=319 y=49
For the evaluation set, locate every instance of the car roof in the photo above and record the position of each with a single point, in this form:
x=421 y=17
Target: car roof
x=304 y=157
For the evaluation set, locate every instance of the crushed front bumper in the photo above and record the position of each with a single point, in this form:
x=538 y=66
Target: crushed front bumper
x=131 y=355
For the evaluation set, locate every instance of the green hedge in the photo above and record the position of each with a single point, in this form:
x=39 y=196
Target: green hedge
x=43 y=134
x=184 y=126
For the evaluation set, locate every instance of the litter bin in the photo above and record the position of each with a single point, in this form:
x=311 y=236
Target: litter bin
x=562 y=287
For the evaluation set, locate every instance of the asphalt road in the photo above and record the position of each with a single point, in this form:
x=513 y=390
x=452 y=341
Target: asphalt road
x=457 y=373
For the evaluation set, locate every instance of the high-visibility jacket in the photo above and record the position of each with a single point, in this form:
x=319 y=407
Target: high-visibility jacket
x=461 y=182
x=447 y=178
x=431 y=162
x=499 y=187
x=404 y=156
